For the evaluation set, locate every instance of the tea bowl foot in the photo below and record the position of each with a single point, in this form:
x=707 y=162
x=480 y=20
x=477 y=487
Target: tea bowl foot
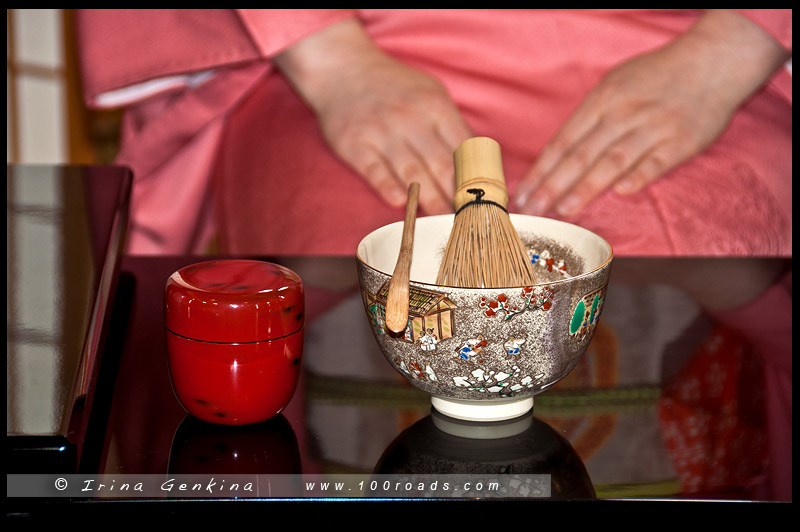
x=488 y=411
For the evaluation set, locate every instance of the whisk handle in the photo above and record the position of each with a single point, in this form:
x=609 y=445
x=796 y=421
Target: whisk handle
x=479 y=165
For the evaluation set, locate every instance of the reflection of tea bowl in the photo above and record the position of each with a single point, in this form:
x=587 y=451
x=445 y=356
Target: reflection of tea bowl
x=437 y=445
x=484 y=353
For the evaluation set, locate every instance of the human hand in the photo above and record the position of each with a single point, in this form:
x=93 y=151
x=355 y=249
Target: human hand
x=650 y=114
x=391 y=123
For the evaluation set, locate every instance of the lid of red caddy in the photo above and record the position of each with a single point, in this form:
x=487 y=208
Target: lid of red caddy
x=234 y=301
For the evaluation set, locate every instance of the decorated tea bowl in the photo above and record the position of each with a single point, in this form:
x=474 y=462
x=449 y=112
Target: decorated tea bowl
x=483 y=353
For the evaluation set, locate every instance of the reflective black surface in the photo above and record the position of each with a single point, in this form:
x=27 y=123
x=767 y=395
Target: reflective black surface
x=201 y=448
x=680 y=394
x=438 y=446
x=683 y=394
x=65 y=226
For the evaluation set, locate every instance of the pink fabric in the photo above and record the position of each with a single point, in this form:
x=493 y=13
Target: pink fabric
x=274 y=30
x=120 y=47
x=170 y=140
x=776 y=22
x=516 y=77
x=518 y=81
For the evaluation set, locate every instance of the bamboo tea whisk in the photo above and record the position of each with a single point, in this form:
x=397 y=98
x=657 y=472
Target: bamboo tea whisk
x=484 y=249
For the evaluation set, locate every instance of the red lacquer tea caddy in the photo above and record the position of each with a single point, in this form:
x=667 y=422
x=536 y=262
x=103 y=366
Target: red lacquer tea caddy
x=234 y=339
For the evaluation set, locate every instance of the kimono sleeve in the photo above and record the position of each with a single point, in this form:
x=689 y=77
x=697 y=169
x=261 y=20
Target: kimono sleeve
x=274 y=30
x=127 y=55
x=776 y=22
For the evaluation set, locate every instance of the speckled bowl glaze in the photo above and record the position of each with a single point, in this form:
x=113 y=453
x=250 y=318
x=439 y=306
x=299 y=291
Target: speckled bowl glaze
x=482 y=354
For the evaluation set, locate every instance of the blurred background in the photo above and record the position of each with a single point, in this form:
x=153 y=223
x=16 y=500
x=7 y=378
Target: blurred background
x=47 y=236
x=46 y=121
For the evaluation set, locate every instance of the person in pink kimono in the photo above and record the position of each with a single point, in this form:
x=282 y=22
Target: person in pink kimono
x=296 y=132
x=668 y=132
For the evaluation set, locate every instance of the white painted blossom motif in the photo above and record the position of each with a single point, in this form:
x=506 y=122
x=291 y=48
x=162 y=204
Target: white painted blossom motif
x=499 y=382
x=421 y=370
x=481 y=380
x=430 y=373
x=544 y=259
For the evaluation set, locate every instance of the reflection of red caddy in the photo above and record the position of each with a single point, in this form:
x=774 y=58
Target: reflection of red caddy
x=234 y=339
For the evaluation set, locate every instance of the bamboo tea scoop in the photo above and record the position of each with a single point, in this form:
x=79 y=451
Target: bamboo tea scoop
x=397 y=298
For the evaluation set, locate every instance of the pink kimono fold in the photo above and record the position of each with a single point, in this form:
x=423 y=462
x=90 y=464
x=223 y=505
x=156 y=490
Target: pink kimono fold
x=225 y=146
